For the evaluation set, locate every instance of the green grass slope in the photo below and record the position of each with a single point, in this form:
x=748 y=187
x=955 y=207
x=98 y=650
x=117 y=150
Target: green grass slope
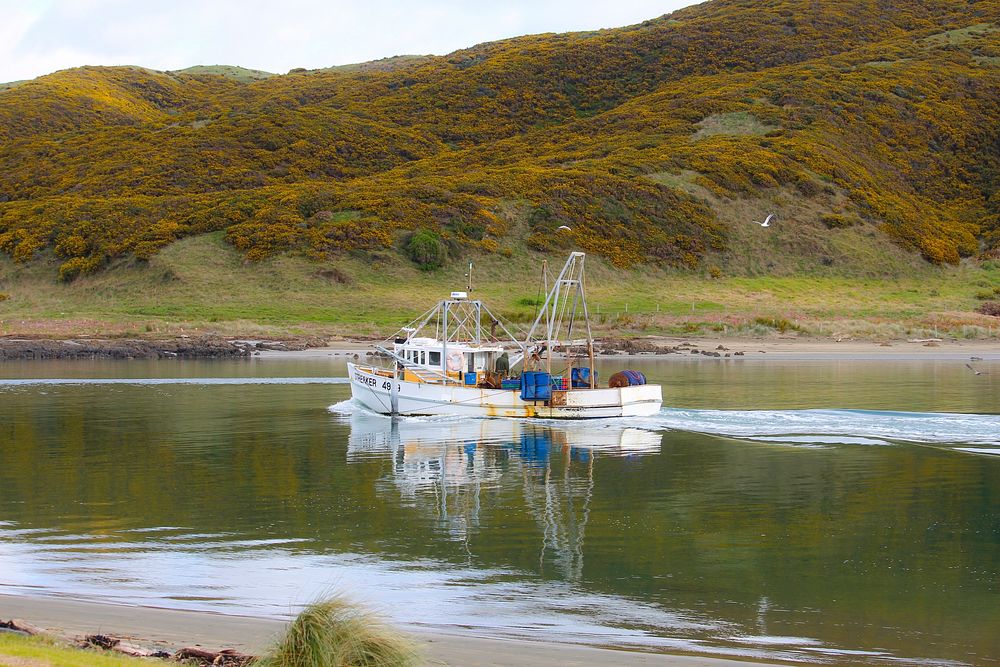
x=241 y=74
x=204 y=284
x=872 y=130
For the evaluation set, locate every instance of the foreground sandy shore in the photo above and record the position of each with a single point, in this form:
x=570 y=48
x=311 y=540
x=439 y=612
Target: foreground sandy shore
x=791 y=348
x=173 y=629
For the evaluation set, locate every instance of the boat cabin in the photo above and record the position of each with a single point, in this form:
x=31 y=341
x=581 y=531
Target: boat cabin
x=453 y=360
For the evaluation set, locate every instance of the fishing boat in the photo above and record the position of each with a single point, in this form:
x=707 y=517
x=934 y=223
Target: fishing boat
x=459 y=358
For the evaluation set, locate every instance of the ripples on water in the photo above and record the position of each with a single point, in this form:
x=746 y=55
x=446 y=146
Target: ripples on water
x=867 y=536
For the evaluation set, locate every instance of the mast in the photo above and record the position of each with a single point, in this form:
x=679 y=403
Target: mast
x=479 y=318
x=568 y=287
x=590 y=337
x=444 y=338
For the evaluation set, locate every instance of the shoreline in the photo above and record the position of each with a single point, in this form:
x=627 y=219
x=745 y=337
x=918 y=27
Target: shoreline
x=159 y=627
x=783 y=348
x=795 y=349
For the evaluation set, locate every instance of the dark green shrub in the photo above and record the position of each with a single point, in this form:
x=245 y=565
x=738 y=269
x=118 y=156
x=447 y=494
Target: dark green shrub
x=807 y=186
x=427 y=250
x=989 y=308
x=837 y=221
x=334 y=275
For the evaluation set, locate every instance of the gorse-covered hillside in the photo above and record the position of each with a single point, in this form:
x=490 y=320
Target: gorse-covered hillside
x=853 y=120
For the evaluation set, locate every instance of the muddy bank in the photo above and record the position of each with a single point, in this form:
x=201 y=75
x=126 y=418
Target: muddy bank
x=26 y=349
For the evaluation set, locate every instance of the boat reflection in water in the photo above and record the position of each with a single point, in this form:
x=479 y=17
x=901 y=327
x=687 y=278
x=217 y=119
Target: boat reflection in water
x=444 y=465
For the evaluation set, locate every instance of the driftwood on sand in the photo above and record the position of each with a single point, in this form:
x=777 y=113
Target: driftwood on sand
x=225 y=657
x=19 y=627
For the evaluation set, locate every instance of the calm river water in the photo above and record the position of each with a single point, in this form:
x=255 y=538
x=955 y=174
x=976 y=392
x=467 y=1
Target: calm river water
x=811 y=511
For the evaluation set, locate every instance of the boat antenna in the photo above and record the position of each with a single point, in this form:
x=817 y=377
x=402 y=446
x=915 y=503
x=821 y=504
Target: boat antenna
x=469 y=276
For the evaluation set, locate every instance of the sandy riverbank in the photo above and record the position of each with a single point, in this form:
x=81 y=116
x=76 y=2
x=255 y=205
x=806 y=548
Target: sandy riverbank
x=172 y=629
x=676 y=348
x=791 y=348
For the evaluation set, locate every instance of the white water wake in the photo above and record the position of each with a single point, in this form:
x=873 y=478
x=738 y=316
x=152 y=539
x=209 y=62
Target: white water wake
x=860 y=427
x=841 y=425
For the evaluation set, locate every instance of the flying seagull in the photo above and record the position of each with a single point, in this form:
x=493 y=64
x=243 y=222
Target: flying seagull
x=562 y=227
x=969 y=366
x=767 y=221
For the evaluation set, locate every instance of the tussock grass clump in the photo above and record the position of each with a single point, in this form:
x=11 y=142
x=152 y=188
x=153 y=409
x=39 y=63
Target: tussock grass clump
x=336 y=633
x=779 y=323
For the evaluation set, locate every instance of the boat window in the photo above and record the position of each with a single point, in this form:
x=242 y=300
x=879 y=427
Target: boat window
x=423 y=358
x=434 y=358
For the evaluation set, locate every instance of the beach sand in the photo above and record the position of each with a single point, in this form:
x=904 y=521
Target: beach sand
x=172 y=629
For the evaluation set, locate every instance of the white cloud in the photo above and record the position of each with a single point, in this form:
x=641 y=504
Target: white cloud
x=16 y=24
x=40 y=36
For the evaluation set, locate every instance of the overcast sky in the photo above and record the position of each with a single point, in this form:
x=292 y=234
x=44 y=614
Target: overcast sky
x=40 y=36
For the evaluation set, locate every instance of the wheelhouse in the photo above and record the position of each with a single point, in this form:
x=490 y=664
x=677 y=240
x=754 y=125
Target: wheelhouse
x=451 y=358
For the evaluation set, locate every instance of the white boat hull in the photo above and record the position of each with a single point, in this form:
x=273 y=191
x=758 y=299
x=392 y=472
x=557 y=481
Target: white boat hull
x=375 y=392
